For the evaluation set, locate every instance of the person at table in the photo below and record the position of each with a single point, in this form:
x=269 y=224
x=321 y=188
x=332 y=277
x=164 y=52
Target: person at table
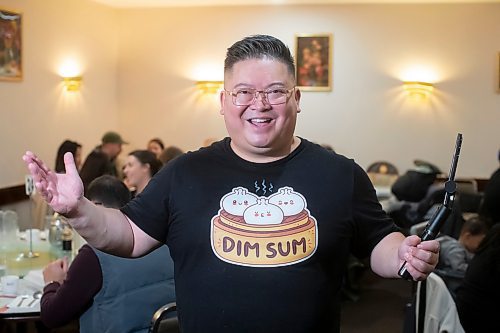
x=101 y=161
x=169 y=153
x=260 y=225
x=156 y=146
x=140 y=167
x=107 y=293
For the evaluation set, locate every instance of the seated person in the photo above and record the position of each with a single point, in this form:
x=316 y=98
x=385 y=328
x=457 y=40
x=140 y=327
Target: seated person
x=107 y=293
x=140 y=167
x=169 y=154
x=156 y=146
x=477 y=297
x=455 y=254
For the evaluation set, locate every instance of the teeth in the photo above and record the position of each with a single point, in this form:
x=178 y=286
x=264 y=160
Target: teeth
x=260 y=120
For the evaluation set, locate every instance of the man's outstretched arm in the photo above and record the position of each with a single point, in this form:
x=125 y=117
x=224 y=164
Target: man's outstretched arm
x=104 y=228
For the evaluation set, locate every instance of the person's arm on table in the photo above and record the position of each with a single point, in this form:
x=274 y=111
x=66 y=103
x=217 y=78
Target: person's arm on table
x=67 y=296
x=104 y=228
x=394 y=249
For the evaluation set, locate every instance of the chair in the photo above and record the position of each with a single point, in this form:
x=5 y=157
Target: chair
x=382 y=167
x=435 y=309
x=382 y=175
x=165 y=319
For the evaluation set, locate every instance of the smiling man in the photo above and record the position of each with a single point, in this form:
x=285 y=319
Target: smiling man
x=260 y=225
x=261 y=123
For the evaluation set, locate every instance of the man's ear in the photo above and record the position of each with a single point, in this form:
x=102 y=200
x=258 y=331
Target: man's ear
x=297 y=96
x=222 y=102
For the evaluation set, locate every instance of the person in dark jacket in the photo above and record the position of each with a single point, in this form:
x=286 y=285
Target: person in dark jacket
x=101 y=161
x=101 y=289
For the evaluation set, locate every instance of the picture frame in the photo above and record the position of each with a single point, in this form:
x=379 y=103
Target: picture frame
x=313 y=57
x=11 y=52
x=498 y=73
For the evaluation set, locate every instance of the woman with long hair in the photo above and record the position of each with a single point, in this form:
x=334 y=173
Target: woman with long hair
x=140 y=167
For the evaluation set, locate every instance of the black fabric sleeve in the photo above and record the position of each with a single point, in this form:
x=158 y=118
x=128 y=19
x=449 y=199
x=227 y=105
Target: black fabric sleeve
x=372 y=223
x=60 y=304
x=93 y=167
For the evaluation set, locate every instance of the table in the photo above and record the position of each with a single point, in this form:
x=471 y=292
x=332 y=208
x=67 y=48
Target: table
x=13 y=251
x=21 y=319
x=13 y=255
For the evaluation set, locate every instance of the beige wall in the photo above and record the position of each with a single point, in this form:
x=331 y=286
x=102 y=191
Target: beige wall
x=141 y=64
x=366 y=116
x=36 y=113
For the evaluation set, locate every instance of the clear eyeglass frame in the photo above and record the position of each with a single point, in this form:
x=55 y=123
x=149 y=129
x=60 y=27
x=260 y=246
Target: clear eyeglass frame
x=238 y=97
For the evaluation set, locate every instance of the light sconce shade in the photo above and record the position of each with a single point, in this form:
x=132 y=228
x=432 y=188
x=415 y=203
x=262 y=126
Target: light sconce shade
x=72 y=83
x=418 y=88
x=209 y=87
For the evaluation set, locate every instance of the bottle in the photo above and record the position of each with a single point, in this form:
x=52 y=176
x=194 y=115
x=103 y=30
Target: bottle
x=67 y=241
x=55 y=230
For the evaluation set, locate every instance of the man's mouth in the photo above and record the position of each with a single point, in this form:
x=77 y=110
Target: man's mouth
x=259 y=121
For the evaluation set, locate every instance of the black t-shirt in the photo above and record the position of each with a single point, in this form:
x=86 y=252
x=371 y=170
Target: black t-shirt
x=260 y=247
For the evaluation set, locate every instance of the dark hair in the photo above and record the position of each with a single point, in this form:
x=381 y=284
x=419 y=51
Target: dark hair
x=108 y=191
x=259 y=47
x=66 y=146
x=475 y=226
x=158 y=141
x=147 y=157
x=169 y=154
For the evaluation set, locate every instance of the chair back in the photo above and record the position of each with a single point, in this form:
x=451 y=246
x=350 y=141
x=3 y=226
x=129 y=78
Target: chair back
x=435 y=309
x=165 y=319
x=382 y=167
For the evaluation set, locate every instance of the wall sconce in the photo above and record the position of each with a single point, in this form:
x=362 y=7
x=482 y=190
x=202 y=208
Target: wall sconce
x=72 y=83
x=209 y=87
x=418 y=89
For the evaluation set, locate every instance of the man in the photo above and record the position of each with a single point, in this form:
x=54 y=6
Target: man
x=101 y=161
x=260 y=224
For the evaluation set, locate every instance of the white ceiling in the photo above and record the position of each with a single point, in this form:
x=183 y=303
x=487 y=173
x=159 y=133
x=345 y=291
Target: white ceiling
x=189 y=3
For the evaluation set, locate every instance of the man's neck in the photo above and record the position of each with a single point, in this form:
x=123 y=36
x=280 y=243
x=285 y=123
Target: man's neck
x=268 y=155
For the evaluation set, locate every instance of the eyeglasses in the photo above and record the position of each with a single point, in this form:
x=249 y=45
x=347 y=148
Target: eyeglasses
x=246 y=96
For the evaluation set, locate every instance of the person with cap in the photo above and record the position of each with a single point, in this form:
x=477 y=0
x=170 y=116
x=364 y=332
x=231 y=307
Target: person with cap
x=101 y=161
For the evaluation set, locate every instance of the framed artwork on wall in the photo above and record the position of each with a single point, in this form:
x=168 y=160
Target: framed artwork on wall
x=10 y=46
x=313 y=57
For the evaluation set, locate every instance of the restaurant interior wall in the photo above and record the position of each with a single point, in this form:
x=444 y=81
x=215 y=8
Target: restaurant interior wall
x=139 y=70
x=37 y=113
x=367 y=115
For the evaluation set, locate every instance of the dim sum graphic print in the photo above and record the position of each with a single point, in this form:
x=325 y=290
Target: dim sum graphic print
x=259 y=231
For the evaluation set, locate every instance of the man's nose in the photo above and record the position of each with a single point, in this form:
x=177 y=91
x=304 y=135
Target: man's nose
x=261 y=100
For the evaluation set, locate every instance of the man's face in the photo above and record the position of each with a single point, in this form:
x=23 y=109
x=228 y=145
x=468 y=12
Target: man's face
x=260 y=131
x=115 y=149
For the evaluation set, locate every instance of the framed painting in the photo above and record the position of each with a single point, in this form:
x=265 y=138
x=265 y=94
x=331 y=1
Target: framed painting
x=11 y=68
x=313 y=56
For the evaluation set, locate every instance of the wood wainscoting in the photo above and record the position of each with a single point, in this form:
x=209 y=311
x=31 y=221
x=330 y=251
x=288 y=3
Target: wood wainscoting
x=13 y=194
